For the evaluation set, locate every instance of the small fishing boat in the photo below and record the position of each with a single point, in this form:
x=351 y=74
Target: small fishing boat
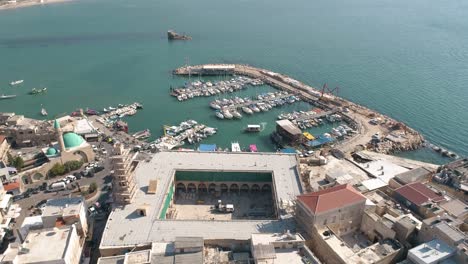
x=253 y=148
x=3 y=96
x=235 y=147
x=16 y=82
x=38 y=91
x=105 y=110
x=91 y=112
x=44 y=112
x=142 y=134
x=111 y=108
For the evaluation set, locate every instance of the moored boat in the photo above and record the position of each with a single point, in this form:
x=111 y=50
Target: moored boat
x=227 y=114
x=142 y=134
x=253 y=148
x=235 y=147
x=219 y=115
x=236 y=114
x=247 y=110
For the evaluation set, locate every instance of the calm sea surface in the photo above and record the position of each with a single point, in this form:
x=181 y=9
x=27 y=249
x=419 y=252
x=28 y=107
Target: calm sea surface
x=407 y=59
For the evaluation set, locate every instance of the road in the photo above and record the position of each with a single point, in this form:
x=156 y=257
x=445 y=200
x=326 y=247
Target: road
x=101 y=178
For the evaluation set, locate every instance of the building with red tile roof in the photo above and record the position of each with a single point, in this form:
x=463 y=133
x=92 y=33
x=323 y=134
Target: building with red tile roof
x=416 y=195
x=339 y=208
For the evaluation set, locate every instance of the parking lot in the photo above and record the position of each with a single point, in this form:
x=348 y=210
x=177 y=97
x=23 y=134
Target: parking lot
x=38 y=195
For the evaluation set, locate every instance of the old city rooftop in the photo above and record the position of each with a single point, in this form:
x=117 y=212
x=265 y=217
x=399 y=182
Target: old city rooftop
x=418 y=193
x=331 y=198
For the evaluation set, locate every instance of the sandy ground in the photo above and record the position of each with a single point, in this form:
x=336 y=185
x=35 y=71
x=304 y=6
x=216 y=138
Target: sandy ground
x=27 y=3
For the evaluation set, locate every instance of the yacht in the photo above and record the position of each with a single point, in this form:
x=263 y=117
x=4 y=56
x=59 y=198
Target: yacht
x=236 y=114
x=235 y=147
x=214 y=105
x=38 y=91
x=219 y=115
x=227 y=114
x=254 y=108
x=16 y=82
x=247 y=110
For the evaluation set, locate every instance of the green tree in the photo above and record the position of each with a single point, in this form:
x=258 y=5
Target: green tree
x=72 y=165
x=18 y=162
x=57 y=169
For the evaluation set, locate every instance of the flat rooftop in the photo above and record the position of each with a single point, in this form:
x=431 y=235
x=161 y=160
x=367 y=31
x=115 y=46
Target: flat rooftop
x=63 y=206
x=45 y=245
x=126 y=228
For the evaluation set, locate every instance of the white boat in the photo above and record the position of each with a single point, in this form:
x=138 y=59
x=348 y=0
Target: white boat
x=44 y=112
x=227 y=114
x=254 y=108
x=219 y=115
x=235 y=147
x=247 y=110
x=215 y=105
x=236 y=114
x=16 y=82
x=105 y=110
x=253 y=128
x=3 y=96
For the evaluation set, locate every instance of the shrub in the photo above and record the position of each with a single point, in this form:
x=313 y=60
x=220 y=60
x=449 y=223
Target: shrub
x=57 y=169
x=92 y=187
x=72 y=165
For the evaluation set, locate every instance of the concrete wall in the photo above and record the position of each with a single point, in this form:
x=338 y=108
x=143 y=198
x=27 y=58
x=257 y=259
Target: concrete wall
x=321 y=249
x=115 y=251
x=74 y=248
x=343 y=220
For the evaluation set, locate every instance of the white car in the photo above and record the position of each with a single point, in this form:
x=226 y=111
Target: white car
x=94 y=147
x=71 y=178
x=104 y=151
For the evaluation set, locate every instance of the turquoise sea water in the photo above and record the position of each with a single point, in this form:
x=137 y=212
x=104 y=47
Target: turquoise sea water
x=407 y=59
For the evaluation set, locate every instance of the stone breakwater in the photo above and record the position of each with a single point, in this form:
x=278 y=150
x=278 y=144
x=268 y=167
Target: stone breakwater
x=376 y=131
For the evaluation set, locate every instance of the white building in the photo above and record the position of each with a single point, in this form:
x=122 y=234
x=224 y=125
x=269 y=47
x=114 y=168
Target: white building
x=66 y=211
x=47 y=246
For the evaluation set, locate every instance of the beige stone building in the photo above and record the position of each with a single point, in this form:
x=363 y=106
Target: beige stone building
x=339 y=208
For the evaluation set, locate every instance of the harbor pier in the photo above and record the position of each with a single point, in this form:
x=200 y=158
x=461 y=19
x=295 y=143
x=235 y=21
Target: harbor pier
x=375 y=131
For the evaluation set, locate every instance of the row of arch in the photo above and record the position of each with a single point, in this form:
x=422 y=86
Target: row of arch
x=212 y=187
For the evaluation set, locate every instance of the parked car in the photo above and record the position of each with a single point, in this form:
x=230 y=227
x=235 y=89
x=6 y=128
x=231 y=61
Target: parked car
x=71 y=178
x=78 y=175
x=58 y=186
x=18 y=197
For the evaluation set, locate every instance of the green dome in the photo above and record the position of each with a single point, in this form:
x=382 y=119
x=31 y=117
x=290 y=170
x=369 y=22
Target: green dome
x=72 y=140
x=51 y=152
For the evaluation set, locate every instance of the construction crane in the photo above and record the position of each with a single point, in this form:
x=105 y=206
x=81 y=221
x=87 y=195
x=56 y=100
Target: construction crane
x=327 y=90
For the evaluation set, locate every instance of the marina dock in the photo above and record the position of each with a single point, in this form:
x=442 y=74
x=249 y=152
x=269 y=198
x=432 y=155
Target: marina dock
x=358 y=117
